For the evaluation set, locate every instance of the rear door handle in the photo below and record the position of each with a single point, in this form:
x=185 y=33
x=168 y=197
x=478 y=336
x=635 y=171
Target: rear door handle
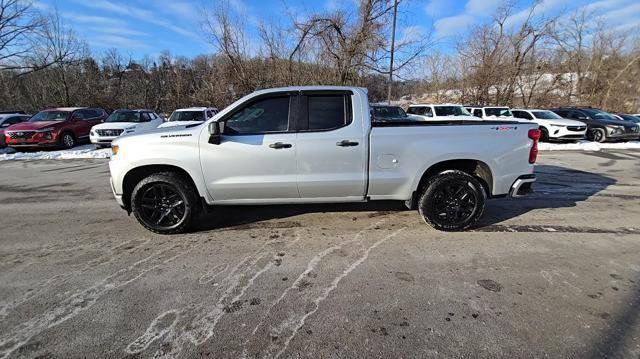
x=279 y=145
x=346 y=143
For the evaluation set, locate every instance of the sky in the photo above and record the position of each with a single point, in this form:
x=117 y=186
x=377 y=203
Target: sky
x=149 y=27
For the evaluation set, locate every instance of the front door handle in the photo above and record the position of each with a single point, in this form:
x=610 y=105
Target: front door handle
x=346 y=143
x=279 y=145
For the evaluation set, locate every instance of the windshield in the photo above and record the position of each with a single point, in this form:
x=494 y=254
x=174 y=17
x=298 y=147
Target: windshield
x=187 y=116
x=498 y=111
x=600 y=115
x=50 y=116
x=124 y=116
x=451 y=111
x=546 y=115
x=388 y=112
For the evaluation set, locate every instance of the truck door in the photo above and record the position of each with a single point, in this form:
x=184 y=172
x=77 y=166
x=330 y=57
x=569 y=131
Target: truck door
x=332 y=151
x=256 y=158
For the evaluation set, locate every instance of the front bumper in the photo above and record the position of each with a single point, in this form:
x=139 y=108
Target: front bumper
x=522 y=186
x=118 y=197
x=102 y=140
x=623 y=137
x=38 y=139
x=564 y=133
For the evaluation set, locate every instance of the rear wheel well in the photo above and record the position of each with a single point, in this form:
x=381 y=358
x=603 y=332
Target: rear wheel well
x=134 y=176
x=477 y=169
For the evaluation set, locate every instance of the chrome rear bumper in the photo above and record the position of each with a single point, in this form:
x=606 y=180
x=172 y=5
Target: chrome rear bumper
x=522 y=186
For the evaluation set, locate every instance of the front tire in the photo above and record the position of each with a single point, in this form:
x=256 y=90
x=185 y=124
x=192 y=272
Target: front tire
x=452 y=201
x=67 y=140
x=597 y=135
x=544 y=135
x=164 y=203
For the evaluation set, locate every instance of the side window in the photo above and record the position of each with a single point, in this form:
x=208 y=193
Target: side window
x=561 y=113
x=88 y=114
x=477 y=112
x=428 y=112
x=209 y=114
x=260 y=116
x=144 y=117
x=412 y=110
x=327 y=112
x=79 y=115
x=575 y=114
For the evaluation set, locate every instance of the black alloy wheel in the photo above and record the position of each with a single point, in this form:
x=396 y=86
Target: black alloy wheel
x=452 y=201
x=164 y=203
x=162 y=206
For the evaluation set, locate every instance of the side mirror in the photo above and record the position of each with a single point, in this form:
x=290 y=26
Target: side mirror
x=215 y=132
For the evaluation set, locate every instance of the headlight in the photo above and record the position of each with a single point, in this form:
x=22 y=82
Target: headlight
x=616 y=129
x=48 y=129
x=93 y=133
x=557 y=125
x=115 y=149
x=130 y=129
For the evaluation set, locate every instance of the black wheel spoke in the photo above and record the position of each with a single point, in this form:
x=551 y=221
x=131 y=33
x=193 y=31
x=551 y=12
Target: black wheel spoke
x=161 y=205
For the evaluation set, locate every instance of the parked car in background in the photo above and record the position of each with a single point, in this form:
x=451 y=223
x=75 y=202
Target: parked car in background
x=190 y=116
x=490 y=112
x=601 y=126
x=7 y=119
x=122 y=122
x=382 y=113
x=630 y=118
x=262 y=150
x=552 y=126
x=62 y=127
x=440 y=112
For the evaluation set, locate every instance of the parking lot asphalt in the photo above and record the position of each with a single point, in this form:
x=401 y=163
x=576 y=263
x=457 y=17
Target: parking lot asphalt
x=556 y=274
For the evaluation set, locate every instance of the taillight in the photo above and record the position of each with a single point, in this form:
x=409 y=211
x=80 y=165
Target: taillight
x=534 y=134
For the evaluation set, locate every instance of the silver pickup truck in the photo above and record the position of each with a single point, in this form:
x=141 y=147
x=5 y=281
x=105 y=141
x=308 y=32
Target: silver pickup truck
x=318 y=145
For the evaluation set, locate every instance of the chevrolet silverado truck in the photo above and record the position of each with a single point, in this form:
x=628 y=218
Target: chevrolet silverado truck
x=319 y=145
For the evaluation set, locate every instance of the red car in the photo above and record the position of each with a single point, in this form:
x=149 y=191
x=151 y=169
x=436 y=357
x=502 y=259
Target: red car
x=58 y=127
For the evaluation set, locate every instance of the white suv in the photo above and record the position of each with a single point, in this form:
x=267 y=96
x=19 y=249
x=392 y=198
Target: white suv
x=491 y=112
x=442 y=112
x=122 y=122
x=552 y=126
x=190 y=115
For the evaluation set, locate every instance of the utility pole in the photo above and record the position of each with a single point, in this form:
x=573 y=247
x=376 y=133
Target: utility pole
x=393 y=45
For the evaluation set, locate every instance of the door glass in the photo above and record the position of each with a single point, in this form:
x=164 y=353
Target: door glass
x=326 y=112
x=261 y=116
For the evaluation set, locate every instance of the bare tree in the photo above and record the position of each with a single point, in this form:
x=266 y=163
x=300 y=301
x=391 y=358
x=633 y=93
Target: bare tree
x=18 y=23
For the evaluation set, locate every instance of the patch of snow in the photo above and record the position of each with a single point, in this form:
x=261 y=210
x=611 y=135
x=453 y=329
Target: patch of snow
x=588 y=146
x=85 y=151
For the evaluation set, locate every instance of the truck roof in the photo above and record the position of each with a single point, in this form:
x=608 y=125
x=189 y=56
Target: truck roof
x=435 y=104
x=195 y=108
x=311 y=88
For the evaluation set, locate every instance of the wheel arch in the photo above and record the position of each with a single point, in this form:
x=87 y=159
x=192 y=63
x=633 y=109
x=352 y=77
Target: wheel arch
x=135 y=175
x=478 y=169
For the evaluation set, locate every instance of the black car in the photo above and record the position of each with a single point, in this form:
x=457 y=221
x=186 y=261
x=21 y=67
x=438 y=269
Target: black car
x=630 y=118
x=601 y=126
x=385 y=113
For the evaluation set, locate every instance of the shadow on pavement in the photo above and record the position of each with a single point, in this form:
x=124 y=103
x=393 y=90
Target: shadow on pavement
x=243 y=217
x=555 y=187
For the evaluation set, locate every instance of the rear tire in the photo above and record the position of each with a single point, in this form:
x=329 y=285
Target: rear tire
x=452 y=201
x=165 y=203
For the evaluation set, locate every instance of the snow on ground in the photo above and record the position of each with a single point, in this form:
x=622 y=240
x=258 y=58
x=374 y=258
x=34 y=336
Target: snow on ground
x=588 y=146
x=90 y=151
x=84 y=151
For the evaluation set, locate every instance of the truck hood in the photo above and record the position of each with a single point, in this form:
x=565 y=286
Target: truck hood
x=179 y=123
x=34 y=126
x=114 y=125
